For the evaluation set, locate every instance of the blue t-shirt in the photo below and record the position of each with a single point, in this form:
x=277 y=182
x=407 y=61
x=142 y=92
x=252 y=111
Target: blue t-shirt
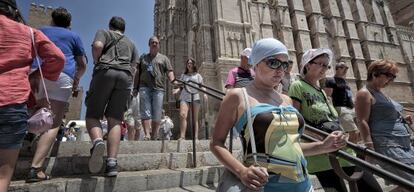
x=70 y=44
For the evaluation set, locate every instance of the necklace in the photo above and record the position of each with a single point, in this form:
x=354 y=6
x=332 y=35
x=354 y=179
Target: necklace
x=267 y=96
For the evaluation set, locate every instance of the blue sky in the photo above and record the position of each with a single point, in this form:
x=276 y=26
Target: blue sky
x=90 y=15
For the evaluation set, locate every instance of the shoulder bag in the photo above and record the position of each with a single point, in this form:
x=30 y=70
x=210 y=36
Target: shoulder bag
x=228 y=181
x=330 y=126
x=42 y=119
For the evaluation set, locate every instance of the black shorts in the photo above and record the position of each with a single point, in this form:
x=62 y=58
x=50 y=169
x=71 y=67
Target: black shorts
x=108 y=94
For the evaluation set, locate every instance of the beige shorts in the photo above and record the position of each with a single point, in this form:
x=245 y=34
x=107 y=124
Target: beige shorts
x=346 y=118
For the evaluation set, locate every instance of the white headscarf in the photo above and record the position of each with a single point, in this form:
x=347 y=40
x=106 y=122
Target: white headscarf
x=264 y=48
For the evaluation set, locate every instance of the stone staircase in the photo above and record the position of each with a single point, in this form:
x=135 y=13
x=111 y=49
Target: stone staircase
x=143 y=165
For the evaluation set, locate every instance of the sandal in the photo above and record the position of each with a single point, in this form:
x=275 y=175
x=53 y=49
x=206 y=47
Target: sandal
x=34 y=177
x=146 y=138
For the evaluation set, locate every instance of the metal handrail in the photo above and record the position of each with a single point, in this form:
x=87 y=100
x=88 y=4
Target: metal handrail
x=209 y=88
x=354 y=160
x=409 y=110
x=365 y=151
x=368 y=167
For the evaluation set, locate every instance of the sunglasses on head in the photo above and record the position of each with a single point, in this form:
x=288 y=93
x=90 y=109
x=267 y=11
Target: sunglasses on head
x=389 y=75
x=274 y=63
x=326 y=66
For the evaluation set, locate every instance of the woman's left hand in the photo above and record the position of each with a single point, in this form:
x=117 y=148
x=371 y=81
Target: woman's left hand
x=334 y=141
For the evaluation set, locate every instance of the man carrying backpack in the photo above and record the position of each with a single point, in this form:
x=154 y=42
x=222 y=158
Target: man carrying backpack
x=115 y=58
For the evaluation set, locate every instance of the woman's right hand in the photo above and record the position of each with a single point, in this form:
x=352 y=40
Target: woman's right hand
x=254 y=177
x=335 y=141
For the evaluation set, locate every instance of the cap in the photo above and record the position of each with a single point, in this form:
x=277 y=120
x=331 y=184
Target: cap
x=311 y=54
x=246 y=52
x=267 y=47
x=341 y=64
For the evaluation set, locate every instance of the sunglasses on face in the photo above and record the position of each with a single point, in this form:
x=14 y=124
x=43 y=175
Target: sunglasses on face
x=389 y=75
x=342 y=67
x=325 y=66
x=274 y=63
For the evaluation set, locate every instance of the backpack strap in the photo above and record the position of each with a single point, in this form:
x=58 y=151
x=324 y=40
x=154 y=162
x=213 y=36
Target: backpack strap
x=111 y=44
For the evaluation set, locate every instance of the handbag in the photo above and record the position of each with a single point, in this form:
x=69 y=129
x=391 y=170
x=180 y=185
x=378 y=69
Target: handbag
x=330 y=126
x=42 y=119
x=228 y=181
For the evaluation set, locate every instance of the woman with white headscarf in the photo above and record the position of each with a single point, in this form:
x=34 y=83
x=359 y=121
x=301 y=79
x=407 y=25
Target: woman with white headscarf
x=312 y=103
x=277 y=127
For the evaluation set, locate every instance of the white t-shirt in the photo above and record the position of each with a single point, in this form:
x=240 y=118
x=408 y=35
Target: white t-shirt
x=185 y=95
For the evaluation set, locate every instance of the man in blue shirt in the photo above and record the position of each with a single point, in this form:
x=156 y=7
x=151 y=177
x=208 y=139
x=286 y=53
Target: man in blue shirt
x=60 y=91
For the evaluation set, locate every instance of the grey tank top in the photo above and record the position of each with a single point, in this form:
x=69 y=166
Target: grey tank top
x=386 y=123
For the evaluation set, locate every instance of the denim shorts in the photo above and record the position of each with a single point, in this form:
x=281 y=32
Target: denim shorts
x=151 y=101
x=13 y=125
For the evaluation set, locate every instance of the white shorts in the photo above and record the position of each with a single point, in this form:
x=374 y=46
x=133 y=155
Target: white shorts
x=59 y=90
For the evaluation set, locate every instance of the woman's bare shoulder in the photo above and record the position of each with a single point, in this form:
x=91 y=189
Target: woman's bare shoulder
x=286 y=99
x=363 y=93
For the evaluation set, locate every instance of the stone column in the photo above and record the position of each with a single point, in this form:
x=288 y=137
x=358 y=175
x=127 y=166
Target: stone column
x=301 y=33
x=282 y=28
x=354 y=46
x=337 y=38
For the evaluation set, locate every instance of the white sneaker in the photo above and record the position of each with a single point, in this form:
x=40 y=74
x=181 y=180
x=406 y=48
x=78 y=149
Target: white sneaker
x=96 y=159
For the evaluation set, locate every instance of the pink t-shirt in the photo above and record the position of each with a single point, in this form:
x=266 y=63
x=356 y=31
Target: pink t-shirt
x=16 y=57
x=239 y=77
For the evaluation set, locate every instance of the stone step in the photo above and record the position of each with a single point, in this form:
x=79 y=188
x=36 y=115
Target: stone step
x=78 y=165
x=173 y=180
x=126 y=181
x=82 y=148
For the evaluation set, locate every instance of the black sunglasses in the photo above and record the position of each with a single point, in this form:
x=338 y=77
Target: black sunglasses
x=389 y=75
x=325 y=66
x=342 y=67
x=274 y=63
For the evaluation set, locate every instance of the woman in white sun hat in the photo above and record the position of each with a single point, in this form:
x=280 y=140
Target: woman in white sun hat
x=311 y=101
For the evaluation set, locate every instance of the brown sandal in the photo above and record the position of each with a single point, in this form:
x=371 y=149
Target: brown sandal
x=33 y=175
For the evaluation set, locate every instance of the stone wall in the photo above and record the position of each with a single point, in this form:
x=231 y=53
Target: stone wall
x=402 y=10
x=214 y=32
x=39 y=15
